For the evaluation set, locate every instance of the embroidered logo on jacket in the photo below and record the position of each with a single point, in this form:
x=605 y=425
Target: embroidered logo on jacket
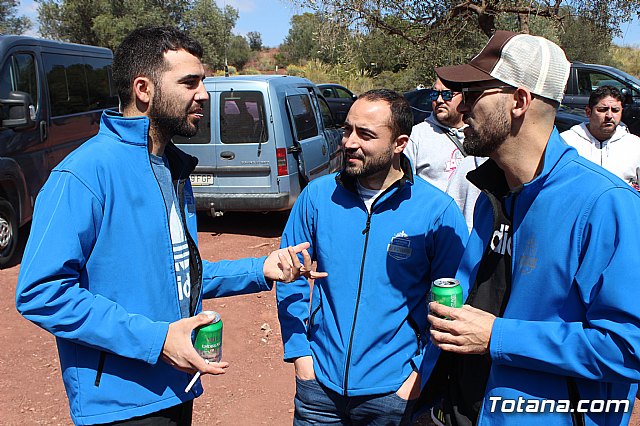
x=400 y=246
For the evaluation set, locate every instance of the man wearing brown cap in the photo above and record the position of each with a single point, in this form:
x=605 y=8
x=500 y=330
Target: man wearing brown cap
x=550 y=332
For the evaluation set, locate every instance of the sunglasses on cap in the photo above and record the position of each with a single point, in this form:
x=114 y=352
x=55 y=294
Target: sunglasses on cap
x=447 y=95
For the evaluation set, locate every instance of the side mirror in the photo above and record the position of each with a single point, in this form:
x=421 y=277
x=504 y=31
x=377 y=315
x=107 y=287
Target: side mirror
x=17 y=110
x=354 y=97
x=627 y=96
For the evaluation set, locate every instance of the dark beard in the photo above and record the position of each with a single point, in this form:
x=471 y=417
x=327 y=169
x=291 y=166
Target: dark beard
x=485 y=140
x=168 y=120
x=379 y=164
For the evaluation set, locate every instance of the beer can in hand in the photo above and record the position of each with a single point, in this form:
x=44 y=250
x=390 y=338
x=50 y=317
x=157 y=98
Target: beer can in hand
x=208 y=342
x=448 y=292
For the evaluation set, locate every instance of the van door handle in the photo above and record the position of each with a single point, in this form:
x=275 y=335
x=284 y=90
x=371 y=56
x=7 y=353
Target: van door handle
x=43 y=131
x=227 y=155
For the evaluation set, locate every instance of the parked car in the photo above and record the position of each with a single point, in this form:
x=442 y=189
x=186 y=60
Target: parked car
x=585 y=78
x=421 y=107
x=261 y=140
x=339 y=99
x=51 y=97
x=420 y=103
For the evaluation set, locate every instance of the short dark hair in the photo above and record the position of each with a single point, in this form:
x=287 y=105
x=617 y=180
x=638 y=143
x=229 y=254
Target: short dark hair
x=401 y=115
x=142 y=53
x=602 y=92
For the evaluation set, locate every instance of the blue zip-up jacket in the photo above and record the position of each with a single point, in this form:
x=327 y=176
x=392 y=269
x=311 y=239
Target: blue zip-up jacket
x=98 y=272
x=573 y=313
x=367 y=325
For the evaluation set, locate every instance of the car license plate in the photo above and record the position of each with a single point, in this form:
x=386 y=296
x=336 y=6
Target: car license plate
x=201 y=180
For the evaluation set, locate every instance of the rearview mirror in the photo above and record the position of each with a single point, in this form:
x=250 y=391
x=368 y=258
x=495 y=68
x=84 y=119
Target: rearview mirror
x=17 y=110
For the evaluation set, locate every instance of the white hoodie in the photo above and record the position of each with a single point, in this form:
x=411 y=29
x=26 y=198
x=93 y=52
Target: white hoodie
x=432 y=153
x=620 y=154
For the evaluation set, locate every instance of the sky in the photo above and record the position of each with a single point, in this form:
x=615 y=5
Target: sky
x=271 y=18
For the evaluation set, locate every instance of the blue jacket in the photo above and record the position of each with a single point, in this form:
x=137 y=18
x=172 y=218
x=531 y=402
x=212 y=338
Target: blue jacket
x=98 y=273
x=573 y=313
x=367 y=325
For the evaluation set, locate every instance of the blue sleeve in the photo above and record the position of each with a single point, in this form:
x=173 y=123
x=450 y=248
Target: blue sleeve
x=293 y=298
x=605 y=345
x=232 y=277
x=65 y=226
x=449 y=238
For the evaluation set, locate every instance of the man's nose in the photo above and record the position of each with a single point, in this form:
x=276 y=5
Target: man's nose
x=202 y=95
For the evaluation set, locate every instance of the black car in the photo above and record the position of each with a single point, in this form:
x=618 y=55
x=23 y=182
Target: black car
x=421 y=107
x=585 y=78
x=420 y=102
x=339 y=99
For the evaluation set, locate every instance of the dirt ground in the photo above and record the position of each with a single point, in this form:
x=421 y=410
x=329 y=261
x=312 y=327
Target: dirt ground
x=258 y=388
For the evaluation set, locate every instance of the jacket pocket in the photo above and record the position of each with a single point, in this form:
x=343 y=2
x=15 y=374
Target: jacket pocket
x=103 y=355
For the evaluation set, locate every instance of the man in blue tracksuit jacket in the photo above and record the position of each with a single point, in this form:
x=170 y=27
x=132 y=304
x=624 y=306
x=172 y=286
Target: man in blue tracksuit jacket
x=112 y=267
x=550 y=332
x=382 y=235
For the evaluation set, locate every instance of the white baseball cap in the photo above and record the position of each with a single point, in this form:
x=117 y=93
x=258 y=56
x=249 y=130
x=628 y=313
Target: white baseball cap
x=519 y=60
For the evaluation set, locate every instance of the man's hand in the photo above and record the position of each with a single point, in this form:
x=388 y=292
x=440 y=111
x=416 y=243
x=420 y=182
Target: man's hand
x=178 y=350
x=467 y=331
x=410 y=389
x=304 y=368
x=283 y=265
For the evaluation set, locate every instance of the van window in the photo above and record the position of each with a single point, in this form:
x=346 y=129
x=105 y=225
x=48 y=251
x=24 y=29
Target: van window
x=77 y=84
x=304 y=119
x=242 y=117
x=19 y=73
x=204 y=129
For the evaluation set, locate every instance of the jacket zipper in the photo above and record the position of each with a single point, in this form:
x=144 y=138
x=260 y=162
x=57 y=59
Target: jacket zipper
x=365 y=232
x=195 y=262
x=103 y=356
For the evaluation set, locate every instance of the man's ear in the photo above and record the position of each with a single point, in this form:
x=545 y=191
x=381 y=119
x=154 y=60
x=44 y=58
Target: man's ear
x=143 y=89
x=521 y=102
x=588 y=111
x=400 y=143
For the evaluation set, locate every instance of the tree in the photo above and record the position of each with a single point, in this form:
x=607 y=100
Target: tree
x=9 y=23
x=211 y=26
x=255 y=41
x=419 y=21
x=104 y=22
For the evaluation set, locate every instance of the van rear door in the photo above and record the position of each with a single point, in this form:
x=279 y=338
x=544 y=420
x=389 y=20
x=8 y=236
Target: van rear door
x=308 y=135
x=235 y=147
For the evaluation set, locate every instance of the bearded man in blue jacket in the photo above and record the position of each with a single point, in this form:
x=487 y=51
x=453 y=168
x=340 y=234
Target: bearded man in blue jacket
x=112 y=267
x=550 y=332
x=382 y=235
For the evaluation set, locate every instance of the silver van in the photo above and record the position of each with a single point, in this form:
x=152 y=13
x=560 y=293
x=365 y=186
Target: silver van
x=261 y=140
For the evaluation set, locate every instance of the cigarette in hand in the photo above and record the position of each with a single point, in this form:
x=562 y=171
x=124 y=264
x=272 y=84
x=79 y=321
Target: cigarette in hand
x=192 y=382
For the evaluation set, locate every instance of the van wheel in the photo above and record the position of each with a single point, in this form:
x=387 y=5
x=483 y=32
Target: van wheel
x=8 y=232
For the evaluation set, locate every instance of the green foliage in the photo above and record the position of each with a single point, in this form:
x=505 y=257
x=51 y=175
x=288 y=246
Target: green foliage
x=238 y=52
x=626 y=59
x=9 y=22
x=250 y=71
x=255 y=40
x=211 y=26
x=301 y=42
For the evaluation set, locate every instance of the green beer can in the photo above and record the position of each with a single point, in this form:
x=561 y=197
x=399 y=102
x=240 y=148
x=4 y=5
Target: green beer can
x=208 y=342
x=448 y=292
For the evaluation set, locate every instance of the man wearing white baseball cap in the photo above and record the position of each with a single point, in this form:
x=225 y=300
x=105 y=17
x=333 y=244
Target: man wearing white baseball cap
x=550 y=332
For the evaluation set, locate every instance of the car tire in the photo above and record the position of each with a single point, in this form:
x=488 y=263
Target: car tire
x=8 y=232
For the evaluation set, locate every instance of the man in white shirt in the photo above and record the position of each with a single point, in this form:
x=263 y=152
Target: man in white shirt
x=434 y=146
x=604 y=139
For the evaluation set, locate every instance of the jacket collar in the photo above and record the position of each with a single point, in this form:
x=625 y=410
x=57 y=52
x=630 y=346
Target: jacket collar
x=489 y=177
x=135 y=131
x=350 y=183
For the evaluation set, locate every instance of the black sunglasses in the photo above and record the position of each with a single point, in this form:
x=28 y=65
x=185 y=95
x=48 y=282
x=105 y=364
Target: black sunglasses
x=470 y=95
x=447 y=95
